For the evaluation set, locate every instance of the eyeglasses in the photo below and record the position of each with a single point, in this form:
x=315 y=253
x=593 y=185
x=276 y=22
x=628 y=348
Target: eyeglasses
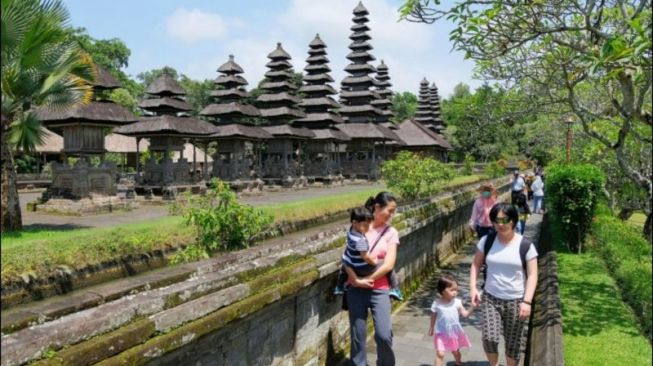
x=502 y=220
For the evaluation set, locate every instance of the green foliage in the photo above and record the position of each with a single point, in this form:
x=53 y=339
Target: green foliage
x=573 y=192
x=25 y=164
x=404 y=106
x=468 y=164
x=628 y=256
x=413 y=176
x=198 y=93
x=221 y=222
x=494 y=169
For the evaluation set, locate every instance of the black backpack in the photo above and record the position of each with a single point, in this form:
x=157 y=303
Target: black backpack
x=524 y=245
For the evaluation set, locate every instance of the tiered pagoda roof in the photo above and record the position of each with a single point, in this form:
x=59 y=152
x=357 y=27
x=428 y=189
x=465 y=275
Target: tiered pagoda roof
x=424 y=115
x=165 y=96
x=355 y=94
x=98 y=111
x=165 y=101
x=279 y=104
x=229 y=107
x=383 y=89
x=415 y=134
x=318 y=103
x=439 y=124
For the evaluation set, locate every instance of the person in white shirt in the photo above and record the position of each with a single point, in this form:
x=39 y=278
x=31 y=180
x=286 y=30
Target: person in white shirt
x=518 y=186
x=538 y=193
x=509 y=286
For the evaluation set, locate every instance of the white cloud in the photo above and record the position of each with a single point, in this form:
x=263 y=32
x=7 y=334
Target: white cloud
x=190 y=26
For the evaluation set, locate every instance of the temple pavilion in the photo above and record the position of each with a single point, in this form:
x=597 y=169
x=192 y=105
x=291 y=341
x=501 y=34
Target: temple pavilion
x=358 y=111
x=279 y=105
x=83 y=128
x=168 y=129
x=239 y=142
x=323 y=151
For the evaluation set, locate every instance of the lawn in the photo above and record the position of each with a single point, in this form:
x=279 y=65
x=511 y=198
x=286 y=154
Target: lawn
x=598 y=328
x=39 y=251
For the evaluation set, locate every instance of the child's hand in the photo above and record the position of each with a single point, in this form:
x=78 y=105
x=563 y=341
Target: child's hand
x=430 y=331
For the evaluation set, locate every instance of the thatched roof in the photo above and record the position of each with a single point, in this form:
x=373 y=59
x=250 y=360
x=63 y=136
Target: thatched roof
x=103 y=112
x=318 y=118
x=277 y=64
x=279 y=74
x=230 y=79
x=359 y=94
x=172 y=103
x=413 y=133
x=351 y=68
x=317 y=59
x=168 y=125
x=319 y=78
x=52 y=143
x=230 y=108
x=278 y=97
x=105 y=80
x=323 y=101
x=279 y=53
x=360 y=56
x=360 y=9
x=330 y=134
x=114 y=142
x=282 y=112
x=360 y=45
x=369 y=131
x=288 y=131
x=279 y=85
x=360 y=80
x=359 y=28
x=235 y=93
x=230 y=67
x=240 y=131
x=165 y=84
x=317 y=42
x=359 y=109
x=316 y=68
x=327 y=89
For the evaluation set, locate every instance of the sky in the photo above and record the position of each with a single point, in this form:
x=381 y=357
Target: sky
x=197 y=36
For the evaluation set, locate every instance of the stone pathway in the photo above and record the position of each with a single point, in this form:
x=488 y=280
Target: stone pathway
x=148 y=212
x=411 y=343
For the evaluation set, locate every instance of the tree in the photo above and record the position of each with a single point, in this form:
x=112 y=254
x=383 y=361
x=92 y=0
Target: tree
x=199 y=93
x=461 y=90
x=592 y=58
x=40 y=67
x=404 y=106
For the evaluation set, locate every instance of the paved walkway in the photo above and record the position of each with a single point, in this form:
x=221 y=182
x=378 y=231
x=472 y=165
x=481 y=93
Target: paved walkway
x=412 y=344
x=148 y=212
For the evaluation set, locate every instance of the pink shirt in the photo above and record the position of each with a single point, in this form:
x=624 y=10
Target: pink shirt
x=481 y=212
x=391 y=237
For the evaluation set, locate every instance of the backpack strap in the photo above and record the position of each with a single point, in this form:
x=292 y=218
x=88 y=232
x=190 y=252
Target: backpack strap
x=524 y=246
x=378 y=239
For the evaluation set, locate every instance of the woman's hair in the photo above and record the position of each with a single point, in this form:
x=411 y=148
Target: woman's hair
x=509 y=210
x=382 y=199
x=444 y=282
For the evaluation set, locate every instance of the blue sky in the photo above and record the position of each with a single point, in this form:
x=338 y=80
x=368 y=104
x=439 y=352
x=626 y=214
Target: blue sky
x=196 y=36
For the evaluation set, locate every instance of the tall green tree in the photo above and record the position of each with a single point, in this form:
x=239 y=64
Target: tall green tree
x=404 y=106
x=40 y=67
x=592 y=58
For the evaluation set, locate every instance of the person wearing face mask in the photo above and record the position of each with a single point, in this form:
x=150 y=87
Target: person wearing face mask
x=480 y=221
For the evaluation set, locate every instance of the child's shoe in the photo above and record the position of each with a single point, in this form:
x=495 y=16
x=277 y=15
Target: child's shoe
x=395 y=293
x=339 y=290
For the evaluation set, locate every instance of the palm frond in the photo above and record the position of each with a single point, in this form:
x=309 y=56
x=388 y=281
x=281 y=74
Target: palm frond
x=26 y=133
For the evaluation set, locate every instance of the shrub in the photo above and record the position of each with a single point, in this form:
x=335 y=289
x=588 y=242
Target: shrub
x=494 y=169
x=628 y=257
x=413 y=176
x=222 y=222
x=468 y=164
x=573 y=192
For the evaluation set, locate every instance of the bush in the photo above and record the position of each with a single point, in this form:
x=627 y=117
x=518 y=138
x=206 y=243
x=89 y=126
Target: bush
x=468 y=164
x=413 y=176
x=223 y=223
x=628 y=256
x=494 y=169
x=573 y=192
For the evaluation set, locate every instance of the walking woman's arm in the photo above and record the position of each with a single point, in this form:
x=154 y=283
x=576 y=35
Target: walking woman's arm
x=531 y=282
x=473 y=274
x=388 y=263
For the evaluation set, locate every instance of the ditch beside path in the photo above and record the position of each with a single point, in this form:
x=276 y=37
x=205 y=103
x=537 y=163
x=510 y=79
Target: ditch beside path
x=148 y=212
x=411 y=343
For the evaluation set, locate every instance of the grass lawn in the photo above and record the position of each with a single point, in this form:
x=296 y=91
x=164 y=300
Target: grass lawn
x=40 y=250
x=598 y=328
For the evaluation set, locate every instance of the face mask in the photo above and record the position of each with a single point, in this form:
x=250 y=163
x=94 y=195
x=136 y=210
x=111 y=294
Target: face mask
x=486 y=194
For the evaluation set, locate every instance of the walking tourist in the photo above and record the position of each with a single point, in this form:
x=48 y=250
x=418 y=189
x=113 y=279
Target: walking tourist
x=538 y=193
x=356 y=256
x=523 y=211
x=480 y=220
x=448 y=334
x=518 y=186
x=372 y=292
x=511 y=277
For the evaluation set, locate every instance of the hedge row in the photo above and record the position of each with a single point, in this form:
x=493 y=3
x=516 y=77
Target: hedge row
x=628 y=257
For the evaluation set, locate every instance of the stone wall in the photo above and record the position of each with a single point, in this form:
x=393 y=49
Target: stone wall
x=275 y=310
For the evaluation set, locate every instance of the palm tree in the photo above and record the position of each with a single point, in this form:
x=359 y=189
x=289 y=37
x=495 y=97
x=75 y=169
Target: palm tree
x=40 y=67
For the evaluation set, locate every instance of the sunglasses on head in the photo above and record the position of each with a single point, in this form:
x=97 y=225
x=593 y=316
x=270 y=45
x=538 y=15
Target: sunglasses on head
x=502 y=220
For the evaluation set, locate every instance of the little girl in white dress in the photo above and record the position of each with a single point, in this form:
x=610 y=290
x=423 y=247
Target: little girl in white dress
x=448 y=334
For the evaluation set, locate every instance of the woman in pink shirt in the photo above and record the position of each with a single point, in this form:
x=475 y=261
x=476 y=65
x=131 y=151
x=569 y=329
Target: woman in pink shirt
x=480 y=220
x=373 y=292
